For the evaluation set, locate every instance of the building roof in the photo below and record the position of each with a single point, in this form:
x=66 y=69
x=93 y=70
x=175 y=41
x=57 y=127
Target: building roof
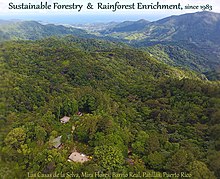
x=57 y=142
x=78 y=157
x=79 y=113
x=65 y=119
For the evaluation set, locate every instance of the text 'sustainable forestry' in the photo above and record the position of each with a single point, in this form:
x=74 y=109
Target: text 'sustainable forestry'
x=97 y=6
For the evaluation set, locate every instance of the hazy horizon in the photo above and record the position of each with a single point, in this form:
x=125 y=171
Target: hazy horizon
x=85 y=18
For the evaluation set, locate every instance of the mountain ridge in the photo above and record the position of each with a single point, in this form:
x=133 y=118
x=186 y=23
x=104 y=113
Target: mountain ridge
x=33 y=30
x=194 y=36
x=197 y=33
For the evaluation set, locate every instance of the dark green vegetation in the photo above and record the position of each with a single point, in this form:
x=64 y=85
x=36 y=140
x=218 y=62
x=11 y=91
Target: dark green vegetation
x=138 y=114
x=176 y=54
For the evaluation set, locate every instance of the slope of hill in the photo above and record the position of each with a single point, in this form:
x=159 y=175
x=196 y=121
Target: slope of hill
x=127 y=26
x=201 y=58
x=138 y=115
x=32 y=30
x=196 y=27
x=176 y=54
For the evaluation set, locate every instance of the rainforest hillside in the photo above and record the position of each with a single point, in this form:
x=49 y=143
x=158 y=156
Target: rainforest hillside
x=129 y=112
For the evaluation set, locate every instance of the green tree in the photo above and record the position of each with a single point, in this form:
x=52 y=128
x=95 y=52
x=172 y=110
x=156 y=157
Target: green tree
x=214 y=162
x=139 y=146
x=156 y=160
x=15 y=137
x=88 y=103
x=87 y=127
x=109 y=158
x=179 y=161
x=199 y=170
x=40 y=134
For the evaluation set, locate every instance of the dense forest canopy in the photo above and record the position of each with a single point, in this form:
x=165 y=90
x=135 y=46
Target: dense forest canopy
x=136 y=114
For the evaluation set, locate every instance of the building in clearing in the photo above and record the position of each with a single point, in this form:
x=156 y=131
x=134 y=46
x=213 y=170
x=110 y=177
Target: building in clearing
x=65 y=119
x=57 y=142
x=78 y=157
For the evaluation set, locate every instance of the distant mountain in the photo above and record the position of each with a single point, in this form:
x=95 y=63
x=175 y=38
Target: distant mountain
x=3 y=21
x=127 y=26
x=193 y=27
x=32 y=30
x=192 y=38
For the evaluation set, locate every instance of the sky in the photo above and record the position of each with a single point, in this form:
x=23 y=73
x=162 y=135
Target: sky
x=97 y=15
